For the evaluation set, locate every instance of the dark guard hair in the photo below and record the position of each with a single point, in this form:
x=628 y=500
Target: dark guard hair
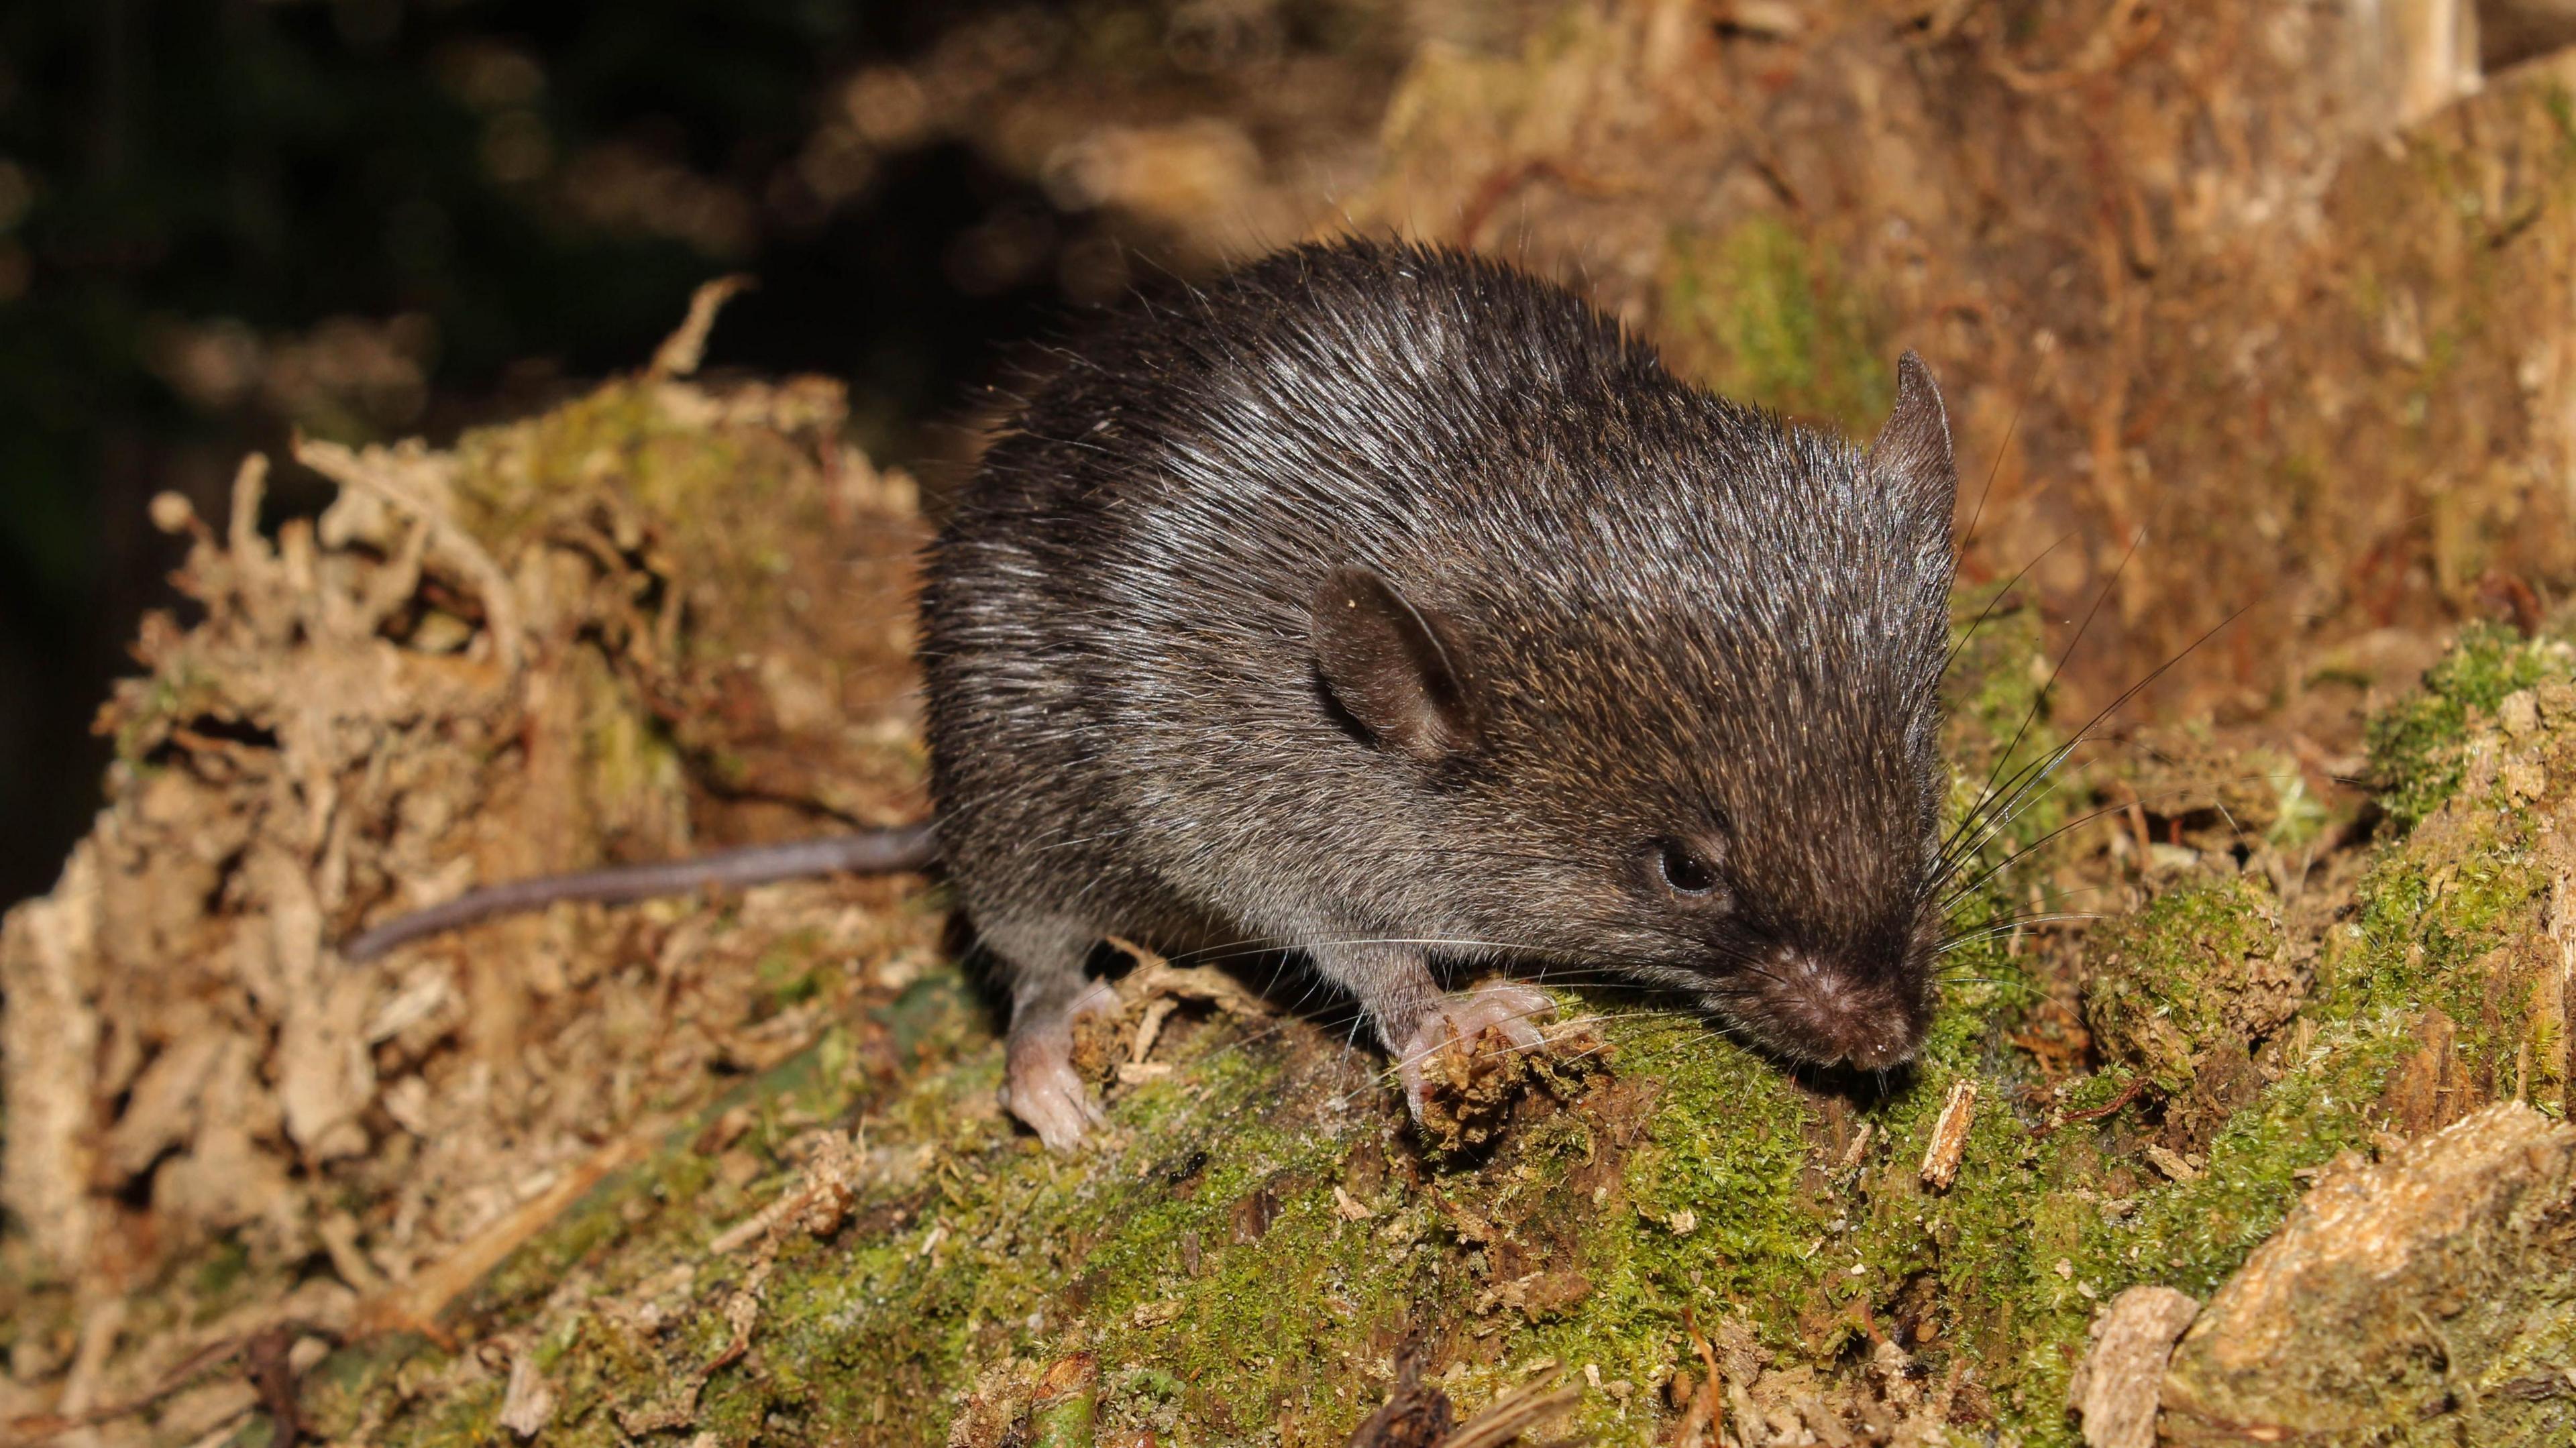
x=1382 y=594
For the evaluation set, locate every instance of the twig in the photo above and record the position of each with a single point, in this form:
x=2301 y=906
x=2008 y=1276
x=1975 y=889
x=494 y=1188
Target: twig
x=374 y=471
x=1950 y=1136
x=682 y=351
x=2135 y=1089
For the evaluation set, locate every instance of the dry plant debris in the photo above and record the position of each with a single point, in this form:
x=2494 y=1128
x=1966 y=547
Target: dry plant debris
x=1744 y=1398
x=662 y=614
x=1469 y=1088
x=1116 y=1047
x=1949 y=1143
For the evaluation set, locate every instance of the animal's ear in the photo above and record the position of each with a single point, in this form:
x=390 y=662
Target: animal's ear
x=1399 y=670
x=1911 y=457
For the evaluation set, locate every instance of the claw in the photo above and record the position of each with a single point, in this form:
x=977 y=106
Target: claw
x=1512 y=1009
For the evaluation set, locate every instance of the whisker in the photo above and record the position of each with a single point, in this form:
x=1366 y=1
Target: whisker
x=2111 y=809
x=2058 y=756
x=2000 y=594
x=1957 y=942
x=2039 y=699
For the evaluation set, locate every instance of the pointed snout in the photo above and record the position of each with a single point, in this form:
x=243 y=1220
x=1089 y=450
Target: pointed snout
x=1825 y=1012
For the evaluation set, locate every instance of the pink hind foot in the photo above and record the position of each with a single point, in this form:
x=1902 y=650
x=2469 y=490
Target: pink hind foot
x=1040 y=1086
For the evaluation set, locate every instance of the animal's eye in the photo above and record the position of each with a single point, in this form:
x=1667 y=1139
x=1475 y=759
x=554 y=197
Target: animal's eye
x=1683 y=870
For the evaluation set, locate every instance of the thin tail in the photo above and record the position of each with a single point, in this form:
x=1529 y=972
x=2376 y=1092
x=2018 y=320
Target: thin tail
x=868 y=852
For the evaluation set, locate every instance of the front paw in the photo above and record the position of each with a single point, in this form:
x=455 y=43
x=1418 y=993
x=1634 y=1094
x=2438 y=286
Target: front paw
x=1462 y=1061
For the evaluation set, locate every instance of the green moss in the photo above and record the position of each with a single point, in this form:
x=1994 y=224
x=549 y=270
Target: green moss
x=1761 y=315
x=2437 y=908
x=218 y=1274
x=2164 y=979
x=2193 y=1235
x=2423 y=920
x=1257 y=1231
x=2416 y=757
x=2075 y=1245
x=1725 y=1153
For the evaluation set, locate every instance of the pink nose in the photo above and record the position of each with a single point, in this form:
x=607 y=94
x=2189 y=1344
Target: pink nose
x=1838 y=1019
x=1880 y=1052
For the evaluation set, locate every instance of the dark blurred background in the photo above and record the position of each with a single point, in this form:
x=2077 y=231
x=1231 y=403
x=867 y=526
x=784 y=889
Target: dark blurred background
x=223 y=220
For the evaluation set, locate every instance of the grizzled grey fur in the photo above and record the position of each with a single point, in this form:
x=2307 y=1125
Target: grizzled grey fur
x=1394 y=606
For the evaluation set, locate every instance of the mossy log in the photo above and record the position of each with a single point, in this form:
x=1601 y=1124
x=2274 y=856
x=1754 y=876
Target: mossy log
x=730 y=1170
x=850 y=1243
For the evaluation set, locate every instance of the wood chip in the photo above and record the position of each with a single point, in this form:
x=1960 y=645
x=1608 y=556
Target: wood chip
x=2116 y=1387
x=529 y=1402
x=1950 y=1136
x=2172 y=1164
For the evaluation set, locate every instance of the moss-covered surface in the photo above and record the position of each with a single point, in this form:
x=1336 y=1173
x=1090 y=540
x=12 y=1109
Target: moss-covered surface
x=775 y=574
x=2199 y=966
x=2429 y=1298
x=1242 y=1254
x=2460 y=928
x=1259 y=1230
x=2420 y=747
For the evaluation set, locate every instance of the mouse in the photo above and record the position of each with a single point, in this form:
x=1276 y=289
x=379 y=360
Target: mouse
x=1396 y=608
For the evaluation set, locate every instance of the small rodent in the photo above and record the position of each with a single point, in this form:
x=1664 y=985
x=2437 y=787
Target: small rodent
x=1392 y=606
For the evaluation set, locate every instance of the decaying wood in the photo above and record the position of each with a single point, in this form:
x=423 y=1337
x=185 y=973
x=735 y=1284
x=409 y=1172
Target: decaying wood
x=1949 y=1142
x=2118 y=1388
x=2390 y=1288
